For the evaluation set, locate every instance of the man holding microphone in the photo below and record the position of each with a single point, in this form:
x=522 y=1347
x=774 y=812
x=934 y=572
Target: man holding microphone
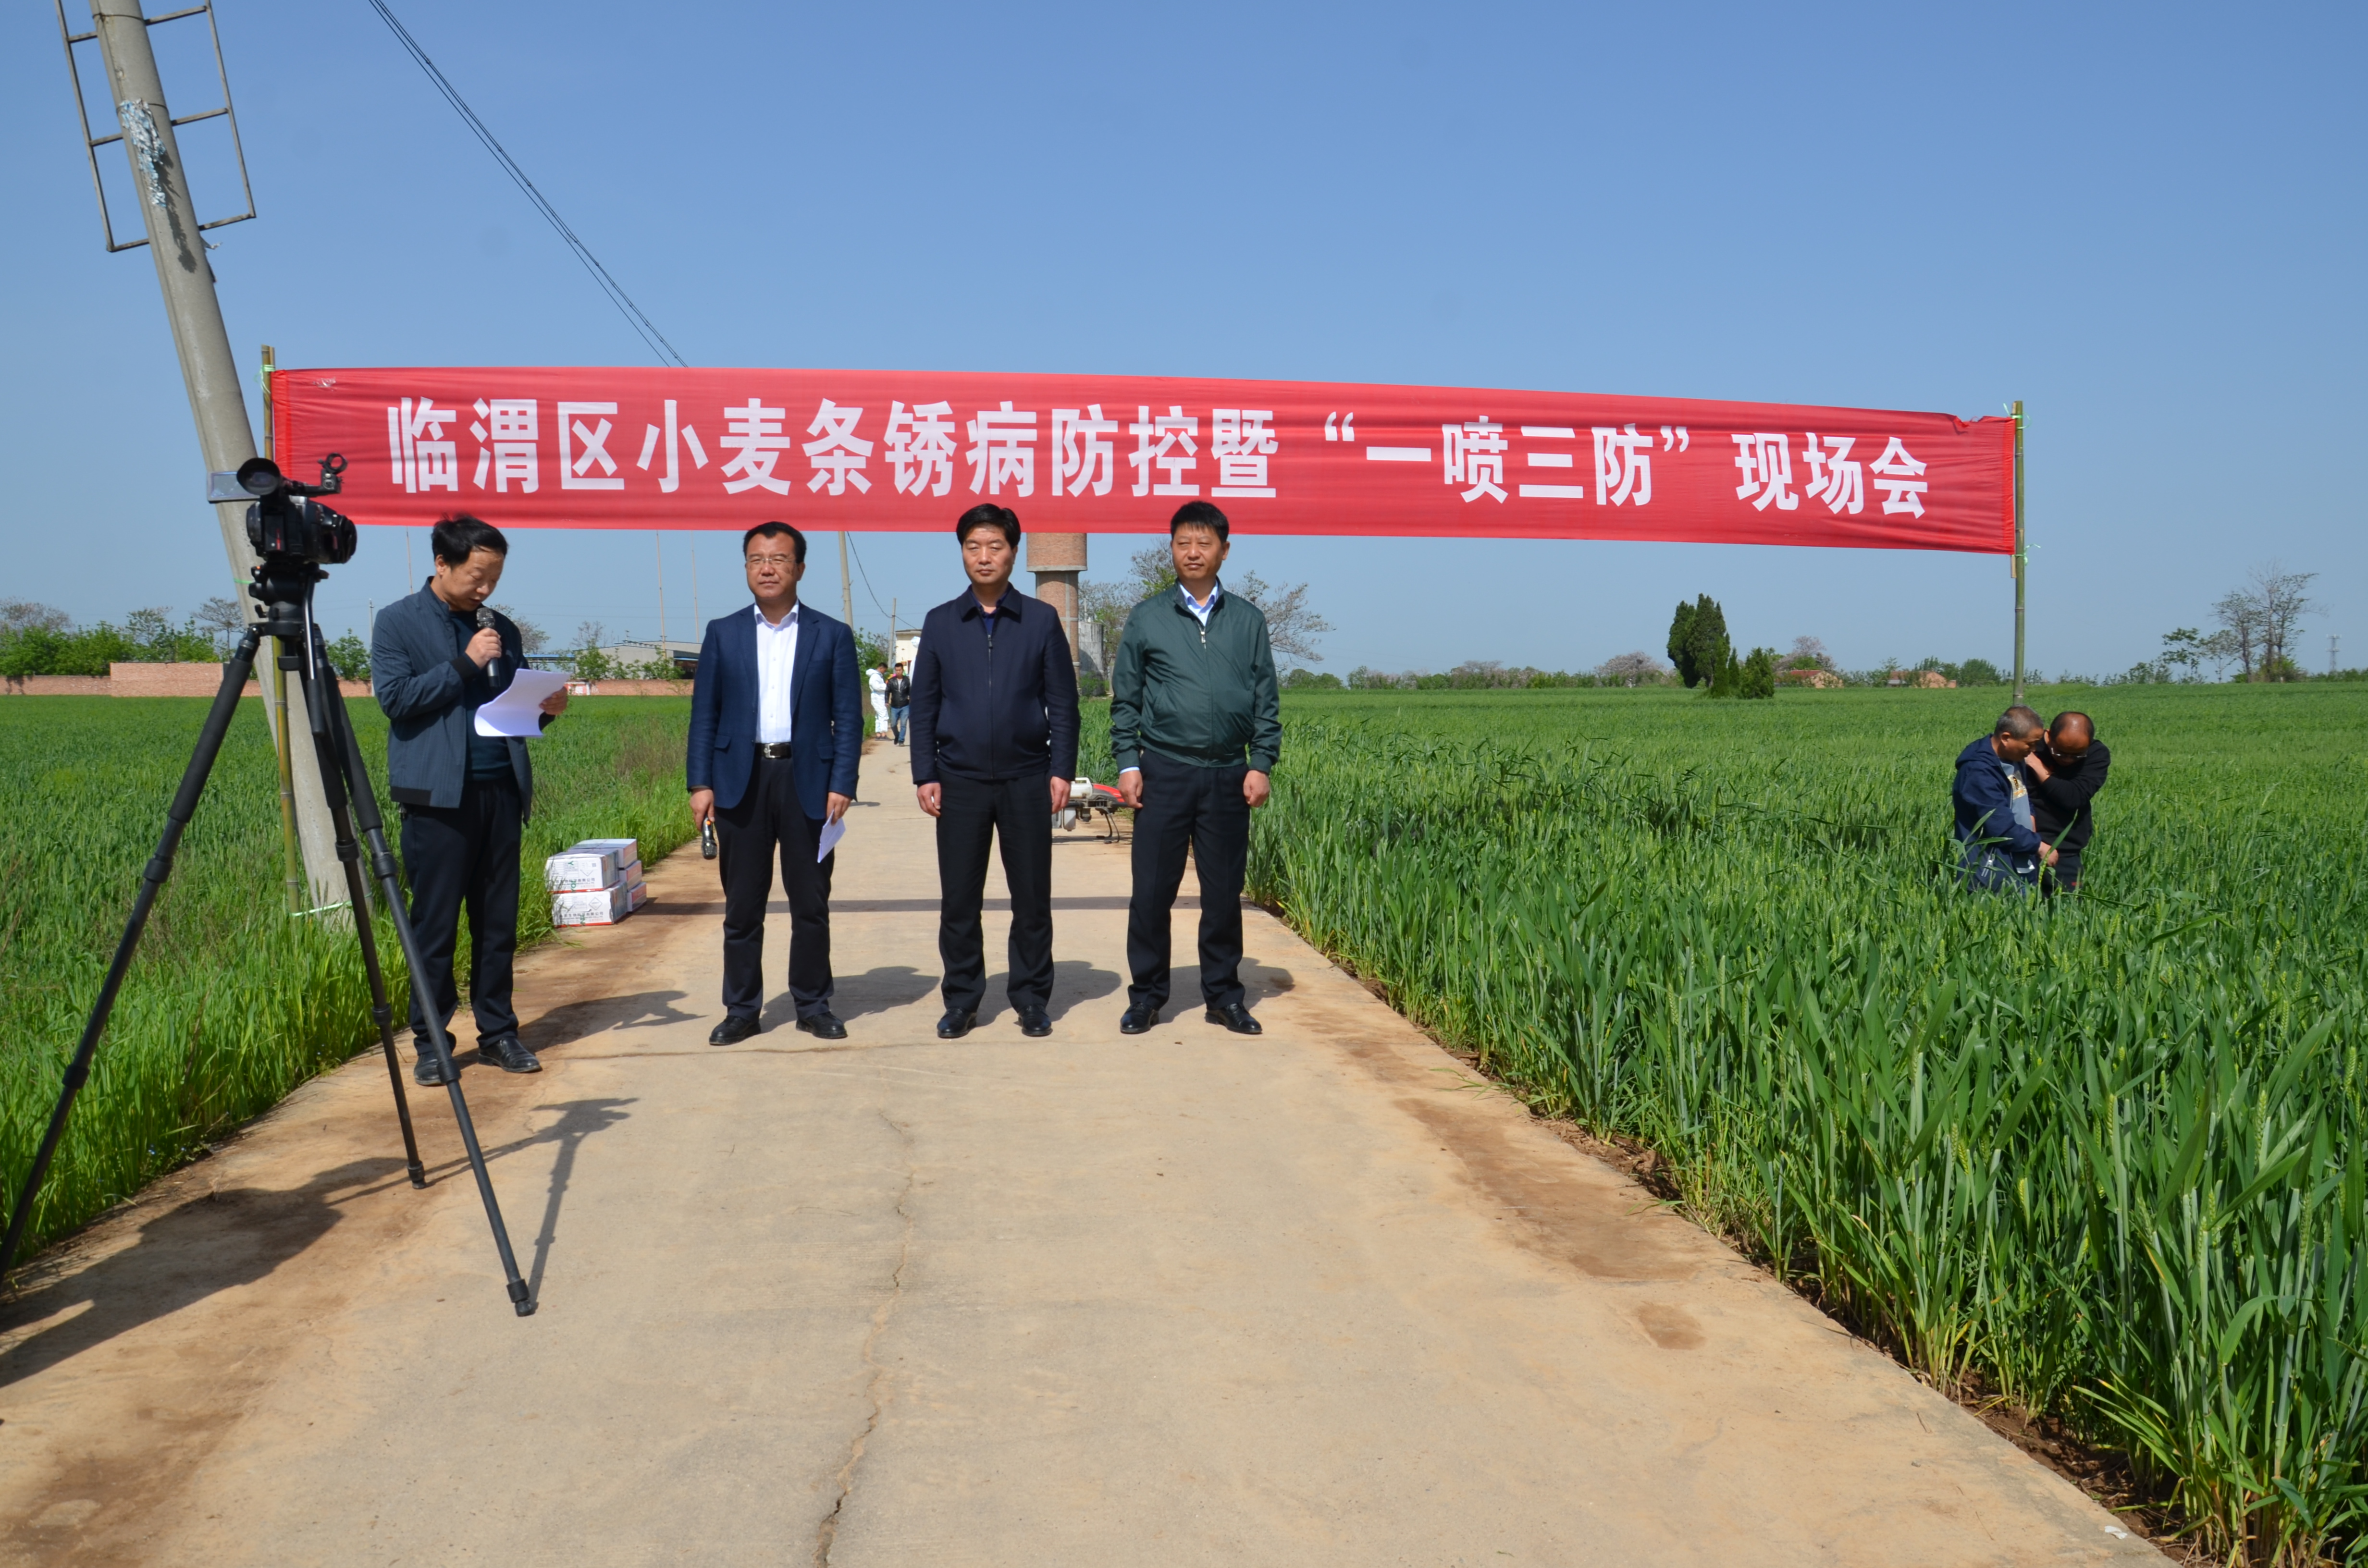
x=436 y=658
x=995 y=742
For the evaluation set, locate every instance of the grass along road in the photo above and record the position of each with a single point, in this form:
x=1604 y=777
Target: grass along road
x=2101 y=1159
x=230 y=1004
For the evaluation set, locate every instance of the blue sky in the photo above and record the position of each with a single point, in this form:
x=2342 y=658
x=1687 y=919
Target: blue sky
x=2145 y=222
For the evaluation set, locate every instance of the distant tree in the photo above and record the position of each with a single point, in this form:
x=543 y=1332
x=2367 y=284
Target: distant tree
x=2187 y=650
x=2240 y=637
x=1291 y=624
x=1751 y=676
x=1631 y=669
x=1153 y=570
x=1697 y=640
x=530 y=636
x=151 y=638
x=19 y=615
x=1308 y=680
x=1808 y=653
x=2283 y=602
x=1979 y=672
x=1757 y=677
x=349 y=657
x=589 y=663
x=222 y=621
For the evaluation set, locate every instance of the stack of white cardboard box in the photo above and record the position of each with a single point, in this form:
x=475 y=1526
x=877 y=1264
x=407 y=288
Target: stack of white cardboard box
x=597 y=882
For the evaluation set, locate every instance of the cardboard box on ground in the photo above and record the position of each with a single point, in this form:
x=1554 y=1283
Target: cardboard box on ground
x=595 y=882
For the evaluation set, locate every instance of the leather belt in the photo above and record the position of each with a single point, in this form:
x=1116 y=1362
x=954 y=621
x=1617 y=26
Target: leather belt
x=773 y=748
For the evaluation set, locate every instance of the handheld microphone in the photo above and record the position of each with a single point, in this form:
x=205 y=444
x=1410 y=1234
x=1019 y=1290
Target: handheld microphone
x=485 y=623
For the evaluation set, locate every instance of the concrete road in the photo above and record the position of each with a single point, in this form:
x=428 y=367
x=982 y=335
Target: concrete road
x=1184 y=1299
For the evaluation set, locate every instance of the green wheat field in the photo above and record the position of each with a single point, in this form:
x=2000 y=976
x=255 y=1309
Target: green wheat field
x=2101 y=1159
x=231 y=1004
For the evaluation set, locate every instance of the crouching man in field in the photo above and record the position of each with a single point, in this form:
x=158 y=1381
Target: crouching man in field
x=2003 y=851
x=2067 y=769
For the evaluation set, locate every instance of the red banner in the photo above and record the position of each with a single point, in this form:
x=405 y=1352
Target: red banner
x=896 y=450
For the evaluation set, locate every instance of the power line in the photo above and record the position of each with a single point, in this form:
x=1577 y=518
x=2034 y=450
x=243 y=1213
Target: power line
x=867 y=583
x=632 y=313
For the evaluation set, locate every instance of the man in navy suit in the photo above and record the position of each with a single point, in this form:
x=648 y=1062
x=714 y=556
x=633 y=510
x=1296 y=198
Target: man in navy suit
x=776 y=731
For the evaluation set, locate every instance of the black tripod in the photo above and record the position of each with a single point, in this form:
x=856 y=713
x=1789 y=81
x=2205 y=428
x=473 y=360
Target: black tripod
x=283 y=585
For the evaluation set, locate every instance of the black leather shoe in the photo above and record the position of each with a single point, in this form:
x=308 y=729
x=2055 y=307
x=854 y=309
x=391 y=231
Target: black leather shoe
x=1138 y=1020
x=953 y=1025
x=1237 y=1018
x=824 y=1025
x=505 y=1051
x=1035 y=1023
x=426 y=1074
x=735 y=1029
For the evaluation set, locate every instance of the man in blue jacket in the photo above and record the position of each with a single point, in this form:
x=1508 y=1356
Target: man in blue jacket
x=995 y=743
x=776 y=732
x=2003 y=851
x=436 y=658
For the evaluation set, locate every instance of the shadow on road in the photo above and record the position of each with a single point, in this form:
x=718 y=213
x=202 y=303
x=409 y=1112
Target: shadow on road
x=878 y=990
x=578 y=1120
x=596 y=1015
x=209 y=1244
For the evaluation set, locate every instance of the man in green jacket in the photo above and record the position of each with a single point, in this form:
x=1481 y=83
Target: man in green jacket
x=1195 y=726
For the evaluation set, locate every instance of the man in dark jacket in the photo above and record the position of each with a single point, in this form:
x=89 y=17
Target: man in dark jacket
x=995 y=744
x=900 y=701
x=776 y=738
x=436 y=658
x=1192 y=691
x=2002 y=852
x=2066 y=769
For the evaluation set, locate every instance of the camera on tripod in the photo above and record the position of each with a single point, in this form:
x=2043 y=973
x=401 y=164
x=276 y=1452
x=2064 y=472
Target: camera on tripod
x=286 y=521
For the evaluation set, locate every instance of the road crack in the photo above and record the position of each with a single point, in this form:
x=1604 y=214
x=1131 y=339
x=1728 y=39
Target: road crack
x=876 y=1390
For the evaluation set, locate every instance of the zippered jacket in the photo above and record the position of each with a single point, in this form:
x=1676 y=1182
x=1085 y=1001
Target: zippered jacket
x=1993 y=808
x=994 y=697
x=430 y=689
x=2061 y=800
x=1202 y=694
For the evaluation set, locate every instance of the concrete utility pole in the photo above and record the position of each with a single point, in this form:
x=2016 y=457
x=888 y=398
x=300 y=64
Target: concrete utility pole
x=208 y=368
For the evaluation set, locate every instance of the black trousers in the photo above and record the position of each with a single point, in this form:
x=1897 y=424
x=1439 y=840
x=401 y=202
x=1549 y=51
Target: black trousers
x=1017 y=813
x=466 y=857
x=2065 y=875
x=1202 y=808
x=766 y=818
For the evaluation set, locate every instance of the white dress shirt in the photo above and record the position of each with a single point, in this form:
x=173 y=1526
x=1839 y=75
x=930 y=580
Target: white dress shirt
x=777 y=663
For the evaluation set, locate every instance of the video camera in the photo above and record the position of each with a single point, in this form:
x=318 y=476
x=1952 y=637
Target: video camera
x=286 y=521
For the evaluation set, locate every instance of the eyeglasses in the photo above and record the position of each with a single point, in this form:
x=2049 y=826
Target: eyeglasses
x=772 y=559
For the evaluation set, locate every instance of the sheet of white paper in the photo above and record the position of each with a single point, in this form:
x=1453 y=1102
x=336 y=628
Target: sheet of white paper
x=518 y=710
x=832 y=832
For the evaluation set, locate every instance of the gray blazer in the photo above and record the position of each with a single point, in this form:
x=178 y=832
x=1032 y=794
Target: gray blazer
x=425 y=683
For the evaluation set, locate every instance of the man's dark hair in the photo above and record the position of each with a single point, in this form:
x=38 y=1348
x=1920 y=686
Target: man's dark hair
x=457 y=539
x=987 y=515
x=1201 y=514
x=2019 y=724
x=2078 y=720
x=775 y=530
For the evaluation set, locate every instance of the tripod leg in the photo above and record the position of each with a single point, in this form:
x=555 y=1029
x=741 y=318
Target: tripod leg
x=330 y=716
x=160 y=866
x=333 y=791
